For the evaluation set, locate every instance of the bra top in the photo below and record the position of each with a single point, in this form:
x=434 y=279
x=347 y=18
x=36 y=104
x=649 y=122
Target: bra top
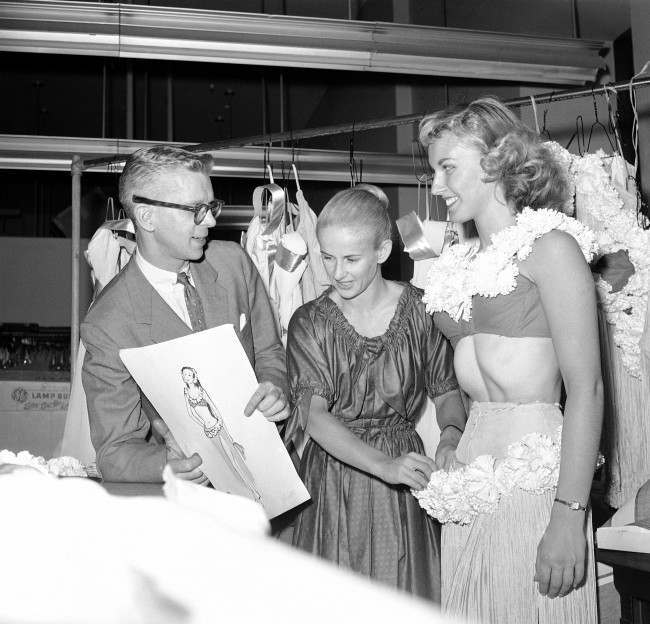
x=519 y=314
x=196 y=402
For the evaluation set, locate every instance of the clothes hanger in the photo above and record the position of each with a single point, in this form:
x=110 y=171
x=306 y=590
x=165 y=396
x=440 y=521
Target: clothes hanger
x=292 y=205
x=578 y=136
x=534 y=107
x=544 y=131
x=267 y=172
x=598 y=124
x=110 y=210
x=640 y=203
x=293 y=165
x=612 y=123
x=289 y=211
x=422 y=173
x=351 y=160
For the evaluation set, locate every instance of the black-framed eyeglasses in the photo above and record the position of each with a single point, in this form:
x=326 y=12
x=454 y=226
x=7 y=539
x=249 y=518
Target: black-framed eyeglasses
x=200 y=210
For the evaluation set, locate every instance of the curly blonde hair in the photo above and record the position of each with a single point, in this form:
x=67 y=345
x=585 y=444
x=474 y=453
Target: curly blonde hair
x=512 y=154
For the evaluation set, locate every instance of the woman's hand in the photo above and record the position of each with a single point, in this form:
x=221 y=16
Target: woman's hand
x=411 y=469
x=446 y=452
x=446 y=457
x=560 y=565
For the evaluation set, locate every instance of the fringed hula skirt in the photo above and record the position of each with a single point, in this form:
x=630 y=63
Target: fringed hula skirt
x=488 y=566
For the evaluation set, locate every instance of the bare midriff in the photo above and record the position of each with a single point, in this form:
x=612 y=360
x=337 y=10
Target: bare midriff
x=508 y=370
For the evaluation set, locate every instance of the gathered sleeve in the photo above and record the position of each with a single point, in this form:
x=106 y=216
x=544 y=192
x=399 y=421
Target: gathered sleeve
x=308 y=372
x=440 y=376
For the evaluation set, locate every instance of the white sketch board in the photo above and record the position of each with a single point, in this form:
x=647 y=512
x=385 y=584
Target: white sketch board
x=200 y=384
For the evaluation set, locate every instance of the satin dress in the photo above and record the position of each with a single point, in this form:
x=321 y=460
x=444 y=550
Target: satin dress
x=377 y=388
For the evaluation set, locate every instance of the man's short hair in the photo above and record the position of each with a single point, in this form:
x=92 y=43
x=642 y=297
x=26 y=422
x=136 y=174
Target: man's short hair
x=146 y=164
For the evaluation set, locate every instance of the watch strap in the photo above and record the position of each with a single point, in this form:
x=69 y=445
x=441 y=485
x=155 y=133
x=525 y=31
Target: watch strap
x=573 y=505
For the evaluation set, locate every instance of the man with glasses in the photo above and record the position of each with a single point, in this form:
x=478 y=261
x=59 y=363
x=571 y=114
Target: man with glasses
x=174 y=285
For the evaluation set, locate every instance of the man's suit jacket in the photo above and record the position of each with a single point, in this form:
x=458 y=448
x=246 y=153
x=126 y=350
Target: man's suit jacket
x=130 y=313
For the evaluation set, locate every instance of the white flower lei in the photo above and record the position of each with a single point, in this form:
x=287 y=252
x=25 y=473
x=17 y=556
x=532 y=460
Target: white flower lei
x=460 y=272
x=617 y=229
x=532 y=465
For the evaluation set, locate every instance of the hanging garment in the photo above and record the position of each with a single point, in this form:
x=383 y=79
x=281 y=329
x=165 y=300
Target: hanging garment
x=626 y=437
x=281 y=241
x=645 y=339
x=630 y=439
x=109 y=250
x=284 y=289
x=264 y=233
x=314 y=280
x=265 y=229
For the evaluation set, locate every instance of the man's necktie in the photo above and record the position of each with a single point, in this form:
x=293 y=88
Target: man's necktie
x=193 y=303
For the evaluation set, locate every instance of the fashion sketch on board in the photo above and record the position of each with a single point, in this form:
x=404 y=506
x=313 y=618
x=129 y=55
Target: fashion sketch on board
x=202 y=410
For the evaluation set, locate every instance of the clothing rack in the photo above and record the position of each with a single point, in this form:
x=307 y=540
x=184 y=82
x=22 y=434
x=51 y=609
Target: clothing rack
x=78 y=164
x=374 y=124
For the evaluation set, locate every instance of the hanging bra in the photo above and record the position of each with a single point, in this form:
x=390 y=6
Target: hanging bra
x=519 y=314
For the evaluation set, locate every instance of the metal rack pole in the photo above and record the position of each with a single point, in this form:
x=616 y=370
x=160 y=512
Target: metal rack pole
x=77 y=170
x=310 y=133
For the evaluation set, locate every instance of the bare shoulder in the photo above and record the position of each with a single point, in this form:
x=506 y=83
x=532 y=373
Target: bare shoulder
x=553 y=253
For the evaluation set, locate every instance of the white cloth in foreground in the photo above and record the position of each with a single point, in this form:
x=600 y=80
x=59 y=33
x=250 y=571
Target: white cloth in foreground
x=74 y=554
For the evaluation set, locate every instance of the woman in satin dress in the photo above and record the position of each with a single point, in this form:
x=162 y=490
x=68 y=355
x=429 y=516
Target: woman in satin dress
x=362 y=359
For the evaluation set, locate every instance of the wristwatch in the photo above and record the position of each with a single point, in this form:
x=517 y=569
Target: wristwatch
x=573 y=505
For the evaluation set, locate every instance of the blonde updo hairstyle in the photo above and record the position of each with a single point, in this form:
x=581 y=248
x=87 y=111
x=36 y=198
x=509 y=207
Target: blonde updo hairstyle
x=512 y=154
x=362 y=207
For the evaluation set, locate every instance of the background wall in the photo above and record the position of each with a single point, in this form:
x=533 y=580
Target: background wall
x=44 y=89
x=36 y=281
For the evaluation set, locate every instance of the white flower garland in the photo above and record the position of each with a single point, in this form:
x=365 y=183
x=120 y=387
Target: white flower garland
x=64 y=466
x=531 y=465
x=494 y=271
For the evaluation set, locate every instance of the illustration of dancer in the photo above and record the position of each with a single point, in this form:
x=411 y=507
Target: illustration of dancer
x=202 y=410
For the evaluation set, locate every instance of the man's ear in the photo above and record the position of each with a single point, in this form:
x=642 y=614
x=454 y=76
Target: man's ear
x=383 y=251
x=144 y=217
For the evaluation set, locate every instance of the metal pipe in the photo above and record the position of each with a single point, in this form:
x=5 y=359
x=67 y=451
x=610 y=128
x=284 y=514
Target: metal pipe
x=77 y=170
x=575 y=25
x=386 y=122
x=281 y=106
x=264 y=128
x=145 y=106
x=170 y=108
x=129 y=101
x=104 y=93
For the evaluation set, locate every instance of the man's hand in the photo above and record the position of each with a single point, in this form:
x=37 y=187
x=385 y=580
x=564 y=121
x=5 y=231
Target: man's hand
x=183 y=467
x=269 y=400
